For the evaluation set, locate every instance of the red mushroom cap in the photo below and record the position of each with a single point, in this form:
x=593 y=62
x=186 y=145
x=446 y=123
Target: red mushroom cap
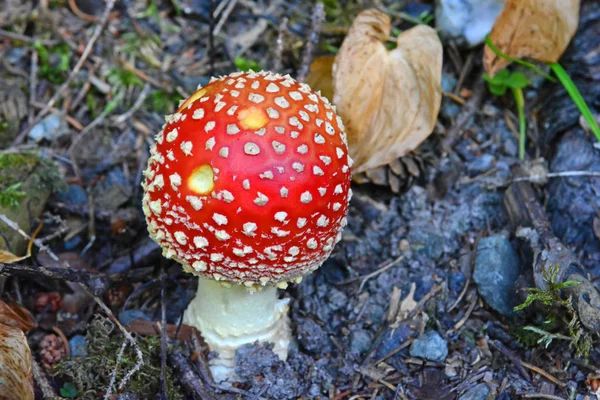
x=249 y=181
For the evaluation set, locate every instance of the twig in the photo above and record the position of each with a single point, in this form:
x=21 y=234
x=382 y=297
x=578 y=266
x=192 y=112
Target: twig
x=96 y=283
x=470 y=108
x=84 y=132
x=278 y=63
x=211 y=38
x=27 y=39
x=378 y=271
x=109 y=6
x=42 y=382
x=512 y=357
x=187 y=376
x=128 y=337
x=545 y=374
x=318 y=17
x=113 y=375
x=32 y=83
x=465 y=318
x=119 y=119
x=564 y=174
x=541 y=396
x=224 y=17
x=163 y=336
x=14 y=226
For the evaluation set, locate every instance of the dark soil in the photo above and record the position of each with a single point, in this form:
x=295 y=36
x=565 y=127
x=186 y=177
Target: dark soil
x=404 y=268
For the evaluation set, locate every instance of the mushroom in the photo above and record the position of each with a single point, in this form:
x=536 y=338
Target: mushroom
x=247 y=187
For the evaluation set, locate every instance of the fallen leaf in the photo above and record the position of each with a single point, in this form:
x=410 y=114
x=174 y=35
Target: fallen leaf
x=16 y=362
x=537 y=29
x=319 y=77
x=388 y=100
x=9 y=258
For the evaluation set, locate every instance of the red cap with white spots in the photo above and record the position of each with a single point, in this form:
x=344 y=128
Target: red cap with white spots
x=249 y=181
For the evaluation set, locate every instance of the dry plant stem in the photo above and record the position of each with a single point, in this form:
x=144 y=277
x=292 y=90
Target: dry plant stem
x=318 y=17
x=113 y=375
x=163 y=336
x=224 y=17
x=42 y=382
x=109 y=6
x=128 y=338
x=230 y=317
x=278 y=63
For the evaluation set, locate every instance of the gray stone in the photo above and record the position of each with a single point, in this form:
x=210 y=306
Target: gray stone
x=360 y=341
x=477 y=392
x=431 y=346
x=467 y=21
x=51 y=127
x=497 y=267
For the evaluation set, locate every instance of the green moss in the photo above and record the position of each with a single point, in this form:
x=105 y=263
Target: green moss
x=16 y=168
x=561 y=320
x=91 y=374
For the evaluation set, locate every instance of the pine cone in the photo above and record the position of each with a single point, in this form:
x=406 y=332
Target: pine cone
x=400 y=174
x=52 y=351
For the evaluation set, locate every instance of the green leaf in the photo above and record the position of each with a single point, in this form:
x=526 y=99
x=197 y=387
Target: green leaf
x=245 y=64
x=497 y=89
x=500 y=54
x=68 y=390
x=576 y=96
x=517 y=80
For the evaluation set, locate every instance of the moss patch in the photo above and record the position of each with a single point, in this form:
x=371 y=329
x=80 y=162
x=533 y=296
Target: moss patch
x=91 y=374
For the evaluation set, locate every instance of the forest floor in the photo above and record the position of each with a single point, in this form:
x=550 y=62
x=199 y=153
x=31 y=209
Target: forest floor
x=417 y=299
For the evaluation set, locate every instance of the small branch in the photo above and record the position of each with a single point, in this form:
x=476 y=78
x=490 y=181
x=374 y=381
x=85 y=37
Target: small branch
x=27 y=39
x=278 y=63
x=128 y=337
x=163 y=336
x=224 y=17
x=109 y=6
x=113 y=375
x=188 y=377
x=211 y=38
x=42 y=382
x=564 y=174
x=313 y=39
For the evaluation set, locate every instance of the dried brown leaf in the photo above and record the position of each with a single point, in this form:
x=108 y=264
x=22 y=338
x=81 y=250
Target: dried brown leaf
x=537 y=29
x=9 y=258
x=388 y=100
x=319 y=77
x=16 y=362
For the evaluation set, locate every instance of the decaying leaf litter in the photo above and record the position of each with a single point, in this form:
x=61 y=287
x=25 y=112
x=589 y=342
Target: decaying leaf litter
x=406 y=307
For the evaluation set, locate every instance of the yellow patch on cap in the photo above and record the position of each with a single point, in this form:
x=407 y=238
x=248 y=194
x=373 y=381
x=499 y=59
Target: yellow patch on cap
x=192 y=98
x=253 y=118
x=201 y=180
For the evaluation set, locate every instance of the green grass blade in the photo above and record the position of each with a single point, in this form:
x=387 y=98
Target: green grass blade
x=576 y=96
x=500 y=54
x=520 y=101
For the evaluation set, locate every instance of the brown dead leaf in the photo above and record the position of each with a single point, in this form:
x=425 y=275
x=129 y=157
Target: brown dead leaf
x=388 y=100
x=16 y=363
x=9 y=258
x=319 y=77
x=538 y=29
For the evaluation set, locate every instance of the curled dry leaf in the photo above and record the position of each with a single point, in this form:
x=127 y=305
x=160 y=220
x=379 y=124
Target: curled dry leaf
x=537 y=29
x=319 y=76
x=16 y=375
x=388 y=100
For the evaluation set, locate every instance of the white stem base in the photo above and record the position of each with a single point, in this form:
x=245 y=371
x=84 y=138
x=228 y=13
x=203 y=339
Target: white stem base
x=230 y=317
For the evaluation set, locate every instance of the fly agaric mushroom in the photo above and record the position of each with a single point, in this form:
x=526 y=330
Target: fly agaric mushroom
x=248 y=187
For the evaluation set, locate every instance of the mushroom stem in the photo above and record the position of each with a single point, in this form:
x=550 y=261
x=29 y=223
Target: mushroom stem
x=232 y=316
